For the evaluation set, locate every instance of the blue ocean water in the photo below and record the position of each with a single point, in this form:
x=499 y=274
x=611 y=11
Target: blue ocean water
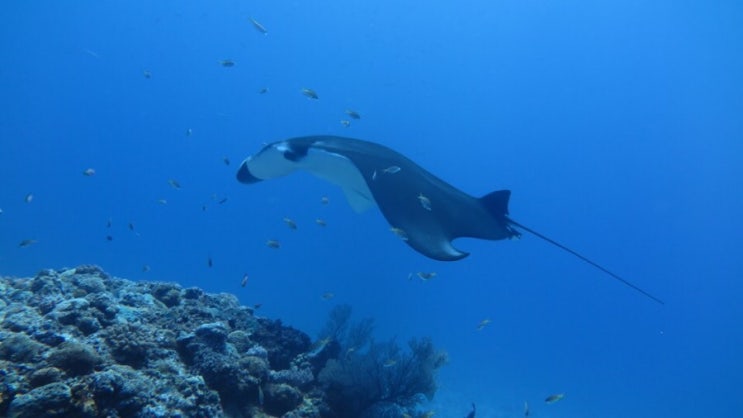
x=617 y=125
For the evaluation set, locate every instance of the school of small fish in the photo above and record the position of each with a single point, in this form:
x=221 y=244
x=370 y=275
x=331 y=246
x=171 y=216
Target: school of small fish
x=391 y=170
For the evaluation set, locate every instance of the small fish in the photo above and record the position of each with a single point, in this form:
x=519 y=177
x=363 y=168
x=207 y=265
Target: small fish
x=290 y=223
x=226 y=160
x=26 y=242
x=472 y=412
x=391 y=169
x=145 y=268
x=257 y=305
x=322 y=343
x=389 y=363
x=526 y=409
x=162 y=201
x=227 y=63
x=328 y=295
x=1 y=211
x=189 y=132
x=425 y=276
x=425 y=201
x=222 y=201
x=346 y=123
x=554 y=398
x=203 y=208
x=29 y=198
x=310 y=93
x=91 y=53
x=88 y=172
x=353 y=114
x=174 y=184
x=400 y=233
x=209 y=262
x=244 y=281
x=320 y=222
x=263 y=90
x=108 y=223
x=272 y=243
x=260 y=395
x=483 y=324
x=262 y=29
x=374 y=175
x=131 y=226
x=324 y=200
x=147 y=74
x=319 y=345
x=109 y=238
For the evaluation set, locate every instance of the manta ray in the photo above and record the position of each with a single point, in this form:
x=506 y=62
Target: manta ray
x=426 y=212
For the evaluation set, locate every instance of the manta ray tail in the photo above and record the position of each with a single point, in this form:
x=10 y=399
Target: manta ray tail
x=584 y=258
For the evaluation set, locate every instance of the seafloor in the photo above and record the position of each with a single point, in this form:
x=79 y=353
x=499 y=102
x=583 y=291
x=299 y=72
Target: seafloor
x=80 y=343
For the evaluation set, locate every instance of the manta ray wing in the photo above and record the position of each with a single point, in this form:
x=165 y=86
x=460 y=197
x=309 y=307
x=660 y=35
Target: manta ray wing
x=428 y=212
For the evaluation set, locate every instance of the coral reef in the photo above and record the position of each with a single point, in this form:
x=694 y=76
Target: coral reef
x=78 y=342
x=369 y=379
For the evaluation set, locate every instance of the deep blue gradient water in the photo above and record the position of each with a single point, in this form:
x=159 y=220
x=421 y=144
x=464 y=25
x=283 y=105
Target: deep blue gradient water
x=617 y=125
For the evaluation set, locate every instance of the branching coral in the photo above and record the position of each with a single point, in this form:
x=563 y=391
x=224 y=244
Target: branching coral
x=366 y=373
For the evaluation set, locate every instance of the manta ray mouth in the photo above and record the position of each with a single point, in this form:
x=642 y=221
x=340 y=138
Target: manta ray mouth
x=245 y=176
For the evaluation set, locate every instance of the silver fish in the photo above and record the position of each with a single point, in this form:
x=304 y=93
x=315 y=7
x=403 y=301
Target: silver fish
x=310 y=93
x=262 y=29
x=425 y=201
x=353 y=114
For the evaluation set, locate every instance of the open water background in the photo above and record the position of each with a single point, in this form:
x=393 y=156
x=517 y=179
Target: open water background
x=616 y=124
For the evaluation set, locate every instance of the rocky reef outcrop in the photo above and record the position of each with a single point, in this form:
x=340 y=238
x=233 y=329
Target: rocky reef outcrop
x=80 y=343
